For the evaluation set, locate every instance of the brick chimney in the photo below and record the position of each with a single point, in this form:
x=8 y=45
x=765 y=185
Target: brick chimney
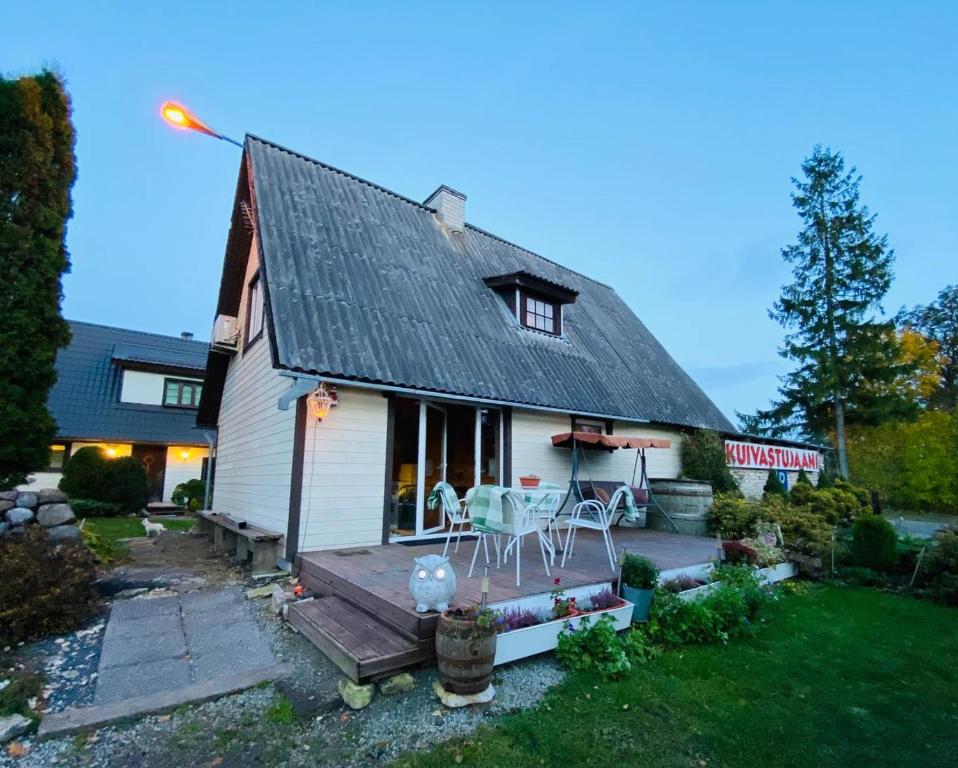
x=450 y=207
x=188 y=335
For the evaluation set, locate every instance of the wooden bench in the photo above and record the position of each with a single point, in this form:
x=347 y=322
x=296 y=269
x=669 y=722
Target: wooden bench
x=240 y=540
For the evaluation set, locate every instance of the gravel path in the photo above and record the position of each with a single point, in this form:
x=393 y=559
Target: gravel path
x=256 y=728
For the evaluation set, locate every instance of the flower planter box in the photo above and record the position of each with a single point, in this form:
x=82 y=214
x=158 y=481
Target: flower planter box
x=778 y=572
x=520 y=643
x=697 y=592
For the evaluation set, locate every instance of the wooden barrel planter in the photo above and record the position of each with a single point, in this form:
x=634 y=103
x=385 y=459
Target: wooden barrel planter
x=465 y=652
x=687 y=503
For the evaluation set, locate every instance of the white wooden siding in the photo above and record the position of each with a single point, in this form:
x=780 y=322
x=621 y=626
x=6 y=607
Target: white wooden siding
x=254 y=452
x=343 y=473
x=533 y=453
x=147 y=388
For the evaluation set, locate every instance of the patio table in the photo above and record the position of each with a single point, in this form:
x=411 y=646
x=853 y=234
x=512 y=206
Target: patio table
x=531 y=496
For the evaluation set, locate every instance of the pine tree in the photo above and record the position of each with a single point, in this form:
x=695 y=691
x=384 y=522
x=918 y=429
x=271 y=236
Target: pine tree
x=841 y=272
x=37 y=170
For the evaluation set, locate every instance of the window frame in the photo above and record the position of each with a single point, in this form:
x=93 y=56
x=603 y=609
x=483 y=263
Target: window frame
x=592 y=426
x=538 y=308
x=254 y=283
x=195 y=385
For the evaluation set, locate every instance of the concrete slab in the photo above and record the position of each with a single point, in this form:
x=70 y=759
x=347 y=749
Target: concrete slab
x=144 y=627
x=208 y=600
x=137 y=609
x=84 y=718
x=222 y=663
x=235 y=638
x=135 y=680
x=120 y=651
x=223 y=616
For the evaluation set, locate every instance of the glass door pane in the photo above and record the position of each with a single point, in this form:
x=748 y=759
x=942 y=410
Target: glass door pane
x=489 y=449
x=434 y=461
x=404 y=494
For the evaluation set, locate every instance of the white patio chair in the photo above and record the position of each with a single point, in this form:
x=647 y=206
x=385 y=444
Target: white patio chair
x=519 y=520
x=456 y=514
x=592 y=515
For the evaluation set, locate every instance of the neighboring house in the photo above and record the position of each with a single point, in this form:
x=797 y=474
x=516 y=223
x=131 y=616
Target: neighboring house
x=452 y=353
x=129 y=393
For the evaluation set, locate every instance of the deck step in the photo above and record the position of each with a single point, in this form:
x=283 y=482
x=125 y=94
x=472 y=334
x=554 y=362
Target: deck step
x=359 y=644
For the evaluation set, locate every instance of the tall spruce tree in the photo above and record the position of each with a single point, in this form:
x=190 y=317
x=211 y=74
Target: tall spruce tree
x=37 y=170
x=841 y=272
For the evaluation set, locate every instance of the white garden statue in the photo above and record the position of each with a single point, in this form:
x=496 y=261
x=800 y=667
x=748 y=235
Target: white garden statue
x=432 y=583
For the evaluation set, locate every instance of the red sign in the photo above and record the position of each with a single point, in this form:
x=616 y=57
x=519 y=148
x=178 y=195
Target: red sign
x=758 y=456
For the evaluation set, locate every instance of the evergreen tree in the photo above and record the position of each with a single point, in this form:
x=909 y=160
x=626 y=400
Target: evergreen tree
x=841 y=271
x=773 y=485
x=938 y=321
x=37 y=170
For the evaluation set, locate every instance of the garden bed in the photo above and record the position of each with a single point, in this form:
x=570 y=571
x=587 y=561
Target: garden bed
x=769 y=575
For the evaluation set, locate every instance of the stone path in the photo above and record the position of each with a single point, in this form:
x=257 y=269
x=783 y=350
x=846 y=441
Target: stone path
x=163 y=644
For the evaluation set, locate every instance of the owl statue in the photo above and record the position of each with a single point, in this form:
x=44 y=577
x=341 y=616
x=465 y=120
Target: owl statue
x=432 y=583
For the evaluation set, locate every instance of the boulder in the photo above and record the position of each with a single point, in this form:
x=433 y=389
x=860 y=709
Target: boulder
x=401 y=683
x=50 y=515
x=64 y=533
x=27 y=499
x=9 y=495
x=19 y=515
x=51 y=496
x=456 y=700
x=12 y=726
x=355 y=695
x=6 y=504
x=3 y=527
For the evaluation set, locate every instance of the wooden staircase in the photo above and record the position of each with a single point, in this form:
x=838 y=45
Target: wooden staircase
x=365 y=635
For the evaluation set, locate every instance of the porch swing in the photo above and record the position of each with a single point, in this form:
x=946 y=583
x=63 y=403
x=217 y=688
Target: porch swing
x=579 y=441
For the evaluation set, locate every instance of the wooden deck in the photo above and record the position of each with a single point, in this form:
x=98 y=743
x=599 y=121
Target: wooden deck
x=365 y=620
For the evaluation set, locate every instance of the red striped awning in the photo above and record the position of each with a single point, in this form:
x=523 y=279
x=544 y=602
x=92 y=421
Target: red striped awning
x=565 y=440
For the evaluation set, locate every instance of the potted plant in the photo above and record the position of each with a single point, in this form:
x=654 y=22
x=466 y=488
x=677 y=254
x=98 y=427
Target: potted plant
x=466 y=649
x=637 y=583
x=562 y=607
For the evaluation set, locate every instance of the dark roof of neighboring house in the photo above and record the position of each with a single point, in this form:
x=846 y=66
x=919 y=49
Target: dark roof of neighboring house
x=85 y=399
x=363 y=284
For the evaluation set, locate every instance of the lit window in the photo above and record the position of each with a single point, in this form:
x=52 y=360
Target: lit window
x=58 y=453
x=181 y=393
x=540 y=315
x=254 y=310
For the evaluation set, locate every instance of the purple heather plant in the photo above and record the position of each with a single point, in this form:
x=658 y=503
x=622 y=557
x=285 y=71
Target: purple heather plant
x=604 y=599
x=518 y=618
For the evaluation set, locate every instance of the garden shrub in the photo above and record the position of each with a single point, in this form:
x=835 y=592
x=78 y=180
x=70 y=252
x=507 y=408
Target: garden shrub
x=773 y=485
x=88 y=474
x=737 y=553
x=703 y=458
x=639 y=572
x=94 y=508
x=874 y=544
x=802 y=478
x=190 y=494
x=597 y=647
x=43 y=589
x=940 y=568
x=803 y=530
x=733 y=516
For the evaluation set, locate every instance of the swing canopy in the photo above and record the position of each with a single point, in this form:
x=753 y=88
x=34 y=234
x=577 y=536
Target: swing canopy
x=610 y=442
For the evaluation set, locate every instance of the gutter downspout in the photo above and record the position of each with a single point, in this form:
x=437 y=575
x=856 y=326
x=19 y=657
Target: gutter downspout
x=208 y=490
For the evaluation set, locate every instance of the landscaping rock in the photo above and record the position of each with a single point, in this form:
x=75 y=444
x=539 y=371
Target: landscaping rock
x=280 y=598
x=401 y=683
x=51 y=496
x=12 y=726
x=19 y=516
x=9 y=495
x=456 y=700
x=4 y=527
x=257 y=592
x=64 y=533
x=356 y=696
x=27 y=499
x=50 y=515
x=6 y=504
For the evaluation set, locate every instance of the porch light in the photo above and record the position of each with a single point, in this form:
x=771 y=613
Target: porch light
x=321 y=401
x=184 y=454
x=110 y=451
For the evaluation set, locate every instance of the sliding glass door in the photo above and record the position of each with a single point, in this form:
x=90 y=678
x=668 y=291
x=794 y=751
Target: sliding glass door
x=433 y=442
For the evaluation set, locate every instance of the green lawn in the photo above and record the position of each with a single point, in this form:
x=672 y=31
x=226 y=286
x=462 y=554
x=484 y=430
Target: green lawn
x=838 y=677
x=109 y=530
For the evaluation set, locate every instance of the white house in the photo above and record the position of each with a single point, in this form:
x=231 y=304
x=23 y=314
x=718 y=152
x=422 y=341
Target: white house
x=129 y=393
x=452 y=353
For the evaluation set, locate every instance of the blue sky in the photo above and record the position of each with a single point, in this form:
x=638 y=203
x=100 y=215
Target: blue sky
x=647 y=145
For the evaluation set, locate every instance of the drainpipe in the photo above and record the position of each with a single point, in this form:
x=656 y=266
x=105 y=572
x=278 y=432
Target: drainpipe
x=211 y=439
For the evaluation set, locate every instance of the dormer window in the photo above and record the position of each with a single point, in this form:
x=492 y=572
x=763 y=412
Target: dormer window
x=534 y=302
x=540 y=315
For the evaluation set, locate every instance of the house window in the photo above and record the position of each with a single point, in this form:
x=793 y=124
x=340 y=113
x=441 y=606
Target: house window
x=58 y=455
x=254 y=310
x=539 y=315
x=180 y=393
x=583 y=425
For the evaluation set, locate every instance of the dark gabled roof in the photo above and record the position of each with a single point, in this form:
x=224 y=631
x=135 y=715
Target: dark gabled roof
x=364 y=284
x=85 y=399
x=189 y=359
